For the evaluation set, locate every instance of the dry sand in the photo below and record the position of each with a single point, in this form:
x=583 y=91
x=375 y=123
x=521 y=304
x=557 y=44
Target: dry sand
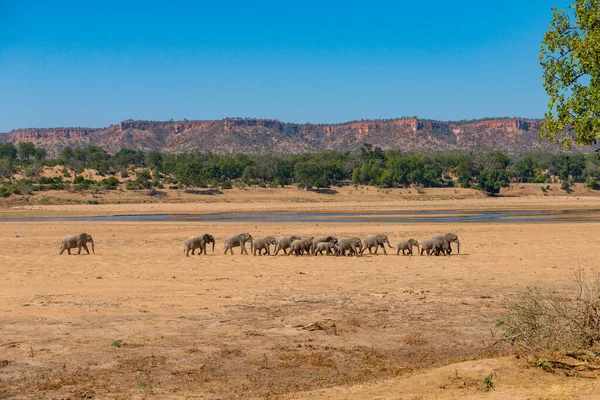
x=140 y=320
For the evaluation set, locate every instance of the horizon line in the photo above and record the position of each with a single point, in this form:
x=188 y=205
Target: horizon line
x=280 y=121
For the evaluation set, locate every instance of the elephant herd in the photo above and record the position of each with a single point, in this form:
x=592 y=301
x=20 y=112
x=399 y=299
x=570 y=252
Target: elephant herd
x=438 y=244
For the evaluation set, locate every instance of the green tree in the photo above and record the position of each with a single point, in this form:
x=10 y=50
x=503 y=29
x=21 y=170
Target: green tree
x=569 y=57
x=26 y=151
x=154 y=160
x=310 y=175
x=525 y=169
x=492 y=180
x=8 y=150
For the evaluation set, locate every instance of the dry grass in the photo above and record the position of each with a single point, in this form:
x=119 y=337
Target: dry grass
x=135 y=364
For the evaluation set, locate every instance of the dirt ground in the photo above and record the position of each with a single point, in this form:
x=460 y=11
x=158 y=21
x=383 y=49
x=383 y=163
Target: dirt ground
x=140 y=320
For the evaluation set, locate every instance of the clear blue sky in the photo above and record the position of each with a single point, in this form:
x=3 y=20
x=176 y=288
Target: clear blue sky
x=94 y=63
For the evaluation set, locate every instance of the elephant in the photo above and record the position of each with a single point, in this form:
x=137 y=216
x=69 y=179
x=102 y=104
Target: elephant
x=79 y=241
x=327 y=247
x=238 y=240
x=433 y=246
x=353 y=245
x=284 y=242
x=322 y=239
x=198 y=242
x=448 y=238
x=376 y=241
x=263 y=244
x=407 y=245
x=299 y=247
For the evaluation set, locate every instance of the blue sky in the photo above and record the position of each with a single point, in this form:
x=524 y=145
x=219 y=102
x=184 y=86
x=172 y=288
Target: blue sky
x=95 y=63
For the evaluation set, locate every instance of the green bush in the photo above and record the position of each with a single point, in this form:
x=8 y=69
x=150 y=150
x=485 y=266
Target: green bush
x=132 y=185
x=566 y=186
x=227 y=185
x=110 y=183
x=591 y=183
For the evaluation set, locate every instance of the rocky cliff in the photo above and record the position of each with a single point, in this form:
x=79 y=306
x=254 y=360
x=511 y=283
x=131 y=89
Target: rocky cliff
x=256 y=136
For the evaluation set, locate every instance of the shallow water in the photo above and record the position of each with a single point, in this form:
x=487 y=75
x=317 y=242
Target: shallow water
x=531 y=216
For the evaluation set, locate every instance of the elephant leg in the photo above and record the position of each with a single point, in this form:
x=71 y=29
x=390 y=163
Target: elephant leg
x=244 y=251
x=86 y=248
x=69 y=250
x=78 y=249
x=383 y=248
x=62 y=250
x=376 y=248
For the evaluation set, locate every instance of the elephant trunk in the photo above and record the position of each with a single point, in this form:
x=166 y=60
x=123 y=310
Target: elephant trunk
x=389 y=245
x=93 y=251
x=457 y=246
x=213 y=243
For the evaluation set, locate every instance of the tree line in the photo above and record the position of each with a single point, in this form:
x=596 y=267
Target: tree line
x=487 y=171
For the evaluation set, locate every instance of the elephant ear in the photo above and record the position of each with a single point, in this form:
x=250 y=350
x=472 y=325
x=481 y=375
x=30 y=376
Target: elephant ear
x=206 y=237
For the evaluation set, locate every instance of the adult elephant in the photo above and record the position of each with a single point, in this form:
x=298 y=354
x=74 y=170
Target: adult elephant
x=407 y=245
x=199 y=242
x=284 y=243
x=80 y=241
x=375 y=241
x=433 y=246
x=448 y=238
x=264 y=244
x=322 y=239
x=238 y=241
x=352 y=245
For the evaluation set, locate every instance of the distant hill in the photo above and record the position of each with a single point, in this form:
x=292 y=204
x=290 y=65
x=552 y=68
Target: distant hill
x=258 y=136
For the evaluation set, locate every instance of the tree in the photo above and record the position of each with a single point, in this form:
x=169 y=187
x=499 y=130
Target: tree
x=8 y=150
x=569 y=57
x=310 y=175
x=492 y=180
x=154 y=160
x=525 y=169
x=26 y=151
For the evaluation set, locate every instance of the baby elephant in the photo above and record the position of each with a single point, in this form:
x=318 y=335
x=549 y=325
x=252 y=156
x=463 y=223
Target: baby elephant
x=263 y=244
x=327 y=247
x=407 y=245
x=432 y=246
x=299 y=247
x=79 y=241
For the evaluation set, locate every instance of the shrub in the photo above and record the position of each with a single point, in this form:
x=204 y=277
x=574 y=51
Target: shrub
x=566 y=186
x=110 y=183
x=547 y=321
x=591 y=183
x=132 y=185
x=227 y=185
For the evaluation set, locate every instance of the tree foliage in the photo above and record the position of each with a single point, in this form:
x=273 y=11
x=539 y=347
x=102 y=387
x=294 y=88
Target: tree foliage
x=570 y=54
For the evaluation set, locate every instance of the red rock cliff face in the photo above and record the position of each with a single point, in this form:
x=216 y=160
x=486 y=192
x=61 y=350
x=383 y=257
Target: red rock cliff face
x=258 y=136
x=40 y=135
x=508 y=124
x=230 y=123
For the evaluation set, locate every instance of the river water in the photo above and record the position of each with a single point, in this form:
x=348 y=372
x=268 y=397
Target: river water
x=530 y=216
